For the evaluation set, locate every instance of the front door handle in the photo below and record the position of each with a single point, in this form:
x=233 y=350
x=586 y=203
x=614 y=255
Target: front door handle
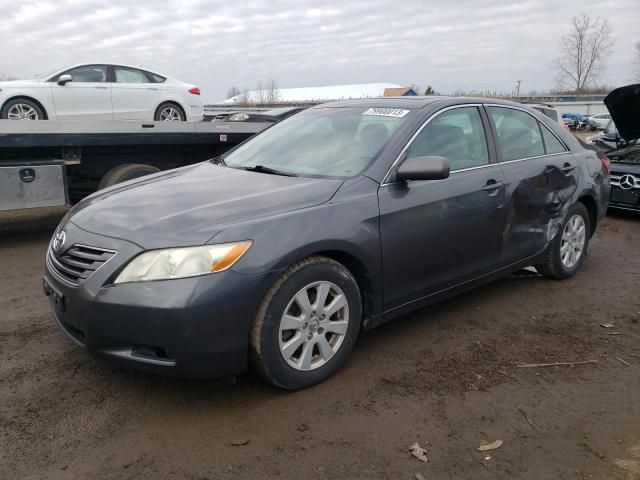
x=101 y=88
x=152 y=88
x=492 y=185
x=568 y=168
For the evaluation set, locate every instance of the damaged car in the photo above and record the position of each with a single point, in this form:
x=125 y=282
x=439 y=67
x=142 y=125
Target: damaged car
x=624 y=106
x=277 y=254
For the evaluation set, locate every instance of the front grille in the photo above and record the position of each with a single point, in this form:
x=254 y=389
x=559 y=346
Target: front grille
x=78 y=262
x=631 y=181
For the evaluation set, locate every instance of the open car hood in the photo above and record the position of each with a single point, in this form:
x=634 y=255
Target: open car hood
x=624 y=106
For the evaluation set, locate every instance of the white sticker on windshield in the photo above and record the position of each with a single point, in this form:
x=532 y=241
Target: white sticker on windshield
x=386 y=112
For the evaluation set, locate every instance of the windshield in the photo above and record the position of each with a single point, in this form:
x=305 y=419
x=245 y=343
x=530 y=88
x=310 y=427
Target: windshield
x=325 y=142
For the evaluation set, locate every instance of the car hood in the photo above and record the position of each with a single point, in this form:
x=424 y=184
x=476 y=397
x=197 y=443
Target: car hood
x=188 y=206
x=624 y=106
x=20 y=83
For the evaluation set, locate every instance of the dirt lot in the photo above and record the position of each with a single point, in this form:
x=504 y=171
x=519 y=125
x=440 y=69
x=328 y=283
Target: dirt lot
x=446 y=378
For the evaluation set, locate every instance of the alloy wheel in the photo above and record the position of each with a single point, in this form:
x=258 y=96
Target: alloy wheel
x=170 y=114
x=313 y=326
x=22 y=111
x=573 y=241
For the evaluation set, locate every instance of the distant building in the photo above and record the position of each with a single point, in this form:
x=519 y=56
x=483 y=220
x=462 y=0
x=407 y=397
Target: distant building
x=326 y=93
x=399 y=92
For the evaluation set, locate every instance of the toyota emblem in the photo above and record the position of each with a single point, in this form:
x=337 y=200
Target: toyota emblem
x=627 y=182
x=58 y=241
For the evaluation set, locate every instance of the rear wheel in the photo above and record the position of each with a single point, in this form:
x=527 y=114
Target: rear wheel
x=124 y=172
x=567 y=251
x=22 y=109
x=307 y=324
x=170 y=112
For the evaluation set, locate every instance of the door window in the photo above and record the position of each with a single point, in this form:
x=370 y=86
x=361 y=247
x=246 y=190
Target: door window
x=518 y=133
x=130 y=75
x=551 y=143
x=87 y=73
x=456 y=134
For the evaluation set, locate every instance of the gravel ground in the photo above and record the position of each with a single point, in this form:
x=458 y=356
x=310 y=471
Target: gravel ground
x=446 y=377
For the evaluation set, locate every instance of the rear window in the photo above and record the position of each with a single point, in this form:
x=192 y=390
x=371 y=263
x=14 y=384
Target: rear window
x=551 y=142
x=155 y=78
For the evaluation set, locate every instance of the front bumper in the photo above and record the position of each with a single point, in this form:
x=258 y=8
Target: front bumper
x=196 y=327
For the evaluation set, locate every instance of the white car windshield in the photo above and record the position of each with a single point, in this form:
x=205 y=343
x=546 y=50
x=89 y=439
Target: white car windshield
x=324 y=142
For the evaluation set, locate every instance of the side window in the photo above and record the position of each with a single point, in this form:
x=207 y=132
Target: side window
x=130 y=75
x=458 y=135
x=551 y=143
x=518 y=133
x=87 y=73
x=155 y=78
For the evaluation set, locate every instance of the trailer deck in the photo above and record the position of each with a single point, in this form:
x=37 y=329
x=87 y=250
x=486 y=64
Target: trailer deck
x=49 y=163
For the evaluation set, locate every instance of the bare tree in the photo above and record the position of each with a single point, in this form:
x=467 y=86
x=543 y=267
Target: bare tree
x=583 y=52
x=272 y=94
x=430 y=91
x=244 y=99
x=416 y=88
x=233 y=92
x=260 y=93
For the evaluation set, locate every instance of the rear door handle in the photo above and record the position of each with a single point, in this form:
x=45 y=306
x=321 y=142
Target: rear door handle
x=152 y=88
x=101 y=88
x=492 y=185
x=568 y=168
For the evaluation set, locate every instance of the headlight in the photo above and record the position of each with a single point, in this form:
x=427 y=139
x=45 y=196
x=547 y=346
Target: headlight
x=182 y=262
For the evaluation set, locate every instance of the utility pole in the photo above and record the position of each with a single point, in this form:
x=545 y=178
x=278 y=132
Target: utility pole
x=518 y=82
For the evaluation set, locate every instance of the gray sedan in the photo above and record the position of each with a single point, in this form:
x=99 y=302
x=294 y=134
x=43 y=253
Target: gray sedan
x=335 y=220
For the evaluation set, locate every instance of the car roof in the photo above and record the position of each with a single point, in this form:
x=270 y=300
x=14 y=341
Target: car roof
x=416 y=102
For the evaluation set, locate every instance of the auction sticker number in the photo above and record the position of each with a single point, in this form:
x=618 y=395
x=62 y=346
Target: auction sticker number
x=386 y=112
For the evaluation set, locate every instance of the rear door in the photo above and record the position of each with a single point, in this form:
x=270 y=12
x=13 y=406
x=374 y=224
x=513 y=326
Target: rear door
x=539 y=172
x=439 y=233
x=134 y=94
x=86 y=97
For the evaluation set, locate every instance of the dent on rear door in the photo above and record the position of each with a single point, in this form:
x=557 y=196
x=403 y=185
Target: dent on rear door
x=541 y=194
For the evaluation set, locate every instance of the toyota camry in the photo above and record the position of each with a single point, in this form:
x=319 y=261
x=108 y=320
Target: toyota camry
x=277 y=254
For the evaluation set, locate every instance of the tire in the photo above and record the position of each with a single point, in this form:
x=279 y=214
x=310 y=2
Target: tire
x=269 y=338
x=565 y=241
x=22 y=109
x=124 y=172
x=169 y=112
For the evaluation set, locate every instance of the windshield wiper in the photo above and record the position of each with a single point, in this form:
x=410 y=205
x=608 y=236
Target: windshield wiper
x=269 y=170
x=218 y=161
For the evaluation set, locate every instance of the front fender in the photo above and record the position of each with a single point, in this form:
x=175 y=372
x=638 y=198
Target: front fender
x=41 y=95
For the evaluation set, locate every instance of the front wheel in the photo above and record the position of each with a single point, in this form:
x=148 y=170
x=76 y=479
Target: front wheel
x=566 y=252
x=307 y=324
x=169 y=112
x=22 y=109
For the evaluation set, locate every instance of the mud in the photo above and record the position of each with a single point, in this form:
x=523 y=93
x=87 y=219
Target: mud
x=446 y=377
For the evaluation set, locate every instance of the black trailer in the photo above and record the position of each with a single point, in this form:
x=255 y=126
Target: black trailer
x=49 y=163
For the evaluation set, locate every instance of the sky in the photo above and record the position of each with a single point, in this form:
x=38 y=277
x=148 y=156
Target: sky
x=461 y=44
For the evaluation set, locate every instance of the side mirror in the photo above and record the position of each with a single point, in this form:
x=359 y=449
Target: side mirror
x=64 y=79
x=423 y=168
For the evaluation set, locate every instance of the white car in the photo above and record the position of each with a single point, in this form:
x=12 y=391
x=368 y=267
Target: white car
x=101 y=92
x=599 y=121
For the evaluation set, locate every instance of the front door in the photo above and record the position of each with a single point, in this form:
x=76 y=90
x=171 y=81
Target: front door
x=439 y=233
x=86 y=97
x=539 y=181
x=134 y=95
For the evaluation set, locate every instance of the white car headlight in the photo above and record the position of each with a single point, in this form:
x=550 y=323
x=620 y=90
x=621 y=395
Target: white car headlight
x=182 y=262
